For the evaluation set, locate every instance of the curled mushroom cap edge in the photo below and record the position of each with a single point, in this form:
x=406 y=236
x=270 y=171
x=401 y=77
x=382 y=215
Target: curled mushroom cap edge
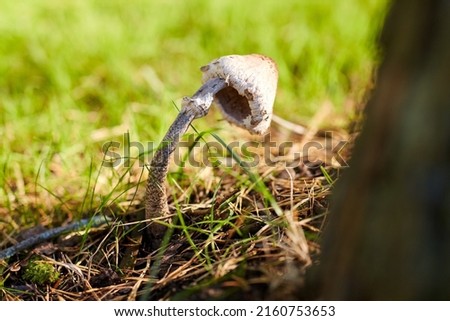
x=248 y=99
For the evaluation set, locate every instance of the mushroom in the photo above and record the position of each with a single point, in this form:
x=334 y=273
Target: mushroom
x=244 y=88
x=248 y=100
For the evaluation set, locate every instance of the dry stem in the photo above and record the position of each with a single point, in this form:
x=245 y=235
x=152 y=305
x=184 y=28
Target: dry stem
x=156 y=199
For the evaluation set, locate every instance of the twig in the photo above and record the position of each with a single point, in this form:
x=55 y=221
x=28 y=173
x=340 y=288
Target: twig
x=295 y=128
x=52 y=233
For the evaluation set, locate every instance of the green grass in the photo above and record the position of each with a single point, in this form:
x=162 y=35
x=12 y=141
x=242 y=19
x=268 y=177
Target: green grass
x=75 y=75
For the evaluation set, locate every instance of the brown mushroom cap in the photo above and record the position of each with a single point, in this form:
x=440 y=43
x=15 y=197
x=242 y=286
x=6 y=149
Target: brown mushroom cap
x=248 y=99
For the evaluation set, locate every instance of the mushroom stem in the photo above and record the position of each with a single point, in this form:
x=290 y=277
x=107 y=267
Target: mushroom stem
x=193 y=107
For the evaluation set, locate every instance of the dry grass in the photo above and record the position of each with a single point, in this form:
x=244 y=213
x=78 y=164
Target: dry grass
x=227 y=239
x=79 y=74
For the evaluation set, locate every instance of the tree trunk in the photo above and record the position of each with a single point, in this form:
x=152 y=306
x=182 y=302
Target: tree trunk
x=388 y=237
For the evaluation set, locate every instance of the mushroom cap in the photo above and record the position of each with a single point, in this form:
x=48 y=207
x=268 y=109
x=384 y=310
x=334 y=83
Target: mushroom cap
x=248 y=99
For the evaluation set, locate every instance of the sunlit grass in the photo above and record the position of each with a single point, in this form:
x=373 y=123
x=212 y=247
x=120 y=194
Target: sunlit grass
x=77 y=74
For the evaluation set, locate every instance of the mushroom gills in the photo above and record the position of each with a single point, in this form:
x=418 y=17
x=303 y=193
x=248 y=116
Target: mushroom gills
x=248 y=99
x=235 y=106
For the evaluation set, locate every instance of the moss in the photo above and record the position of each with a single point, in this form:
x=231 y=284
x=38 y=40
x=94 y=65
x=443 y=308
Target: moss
x=40 y=272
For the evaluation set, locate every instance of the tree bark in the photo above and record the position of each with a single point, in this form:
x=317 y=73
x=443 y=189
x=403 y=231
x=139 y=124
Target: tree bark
x=388 y=237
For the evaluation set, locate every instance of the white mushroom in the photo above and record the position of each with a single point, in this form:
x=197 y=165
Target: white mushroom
x=248 y=99
x=244 y=89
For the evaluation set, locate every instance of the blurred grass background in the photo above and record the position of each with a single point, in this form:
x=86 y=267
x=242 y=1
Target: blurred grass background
x=76 y=74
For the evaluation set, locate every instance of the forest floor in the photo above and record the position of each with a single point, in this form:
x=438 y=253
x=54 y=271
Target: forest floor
x=227 y=240
x=89 y=88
